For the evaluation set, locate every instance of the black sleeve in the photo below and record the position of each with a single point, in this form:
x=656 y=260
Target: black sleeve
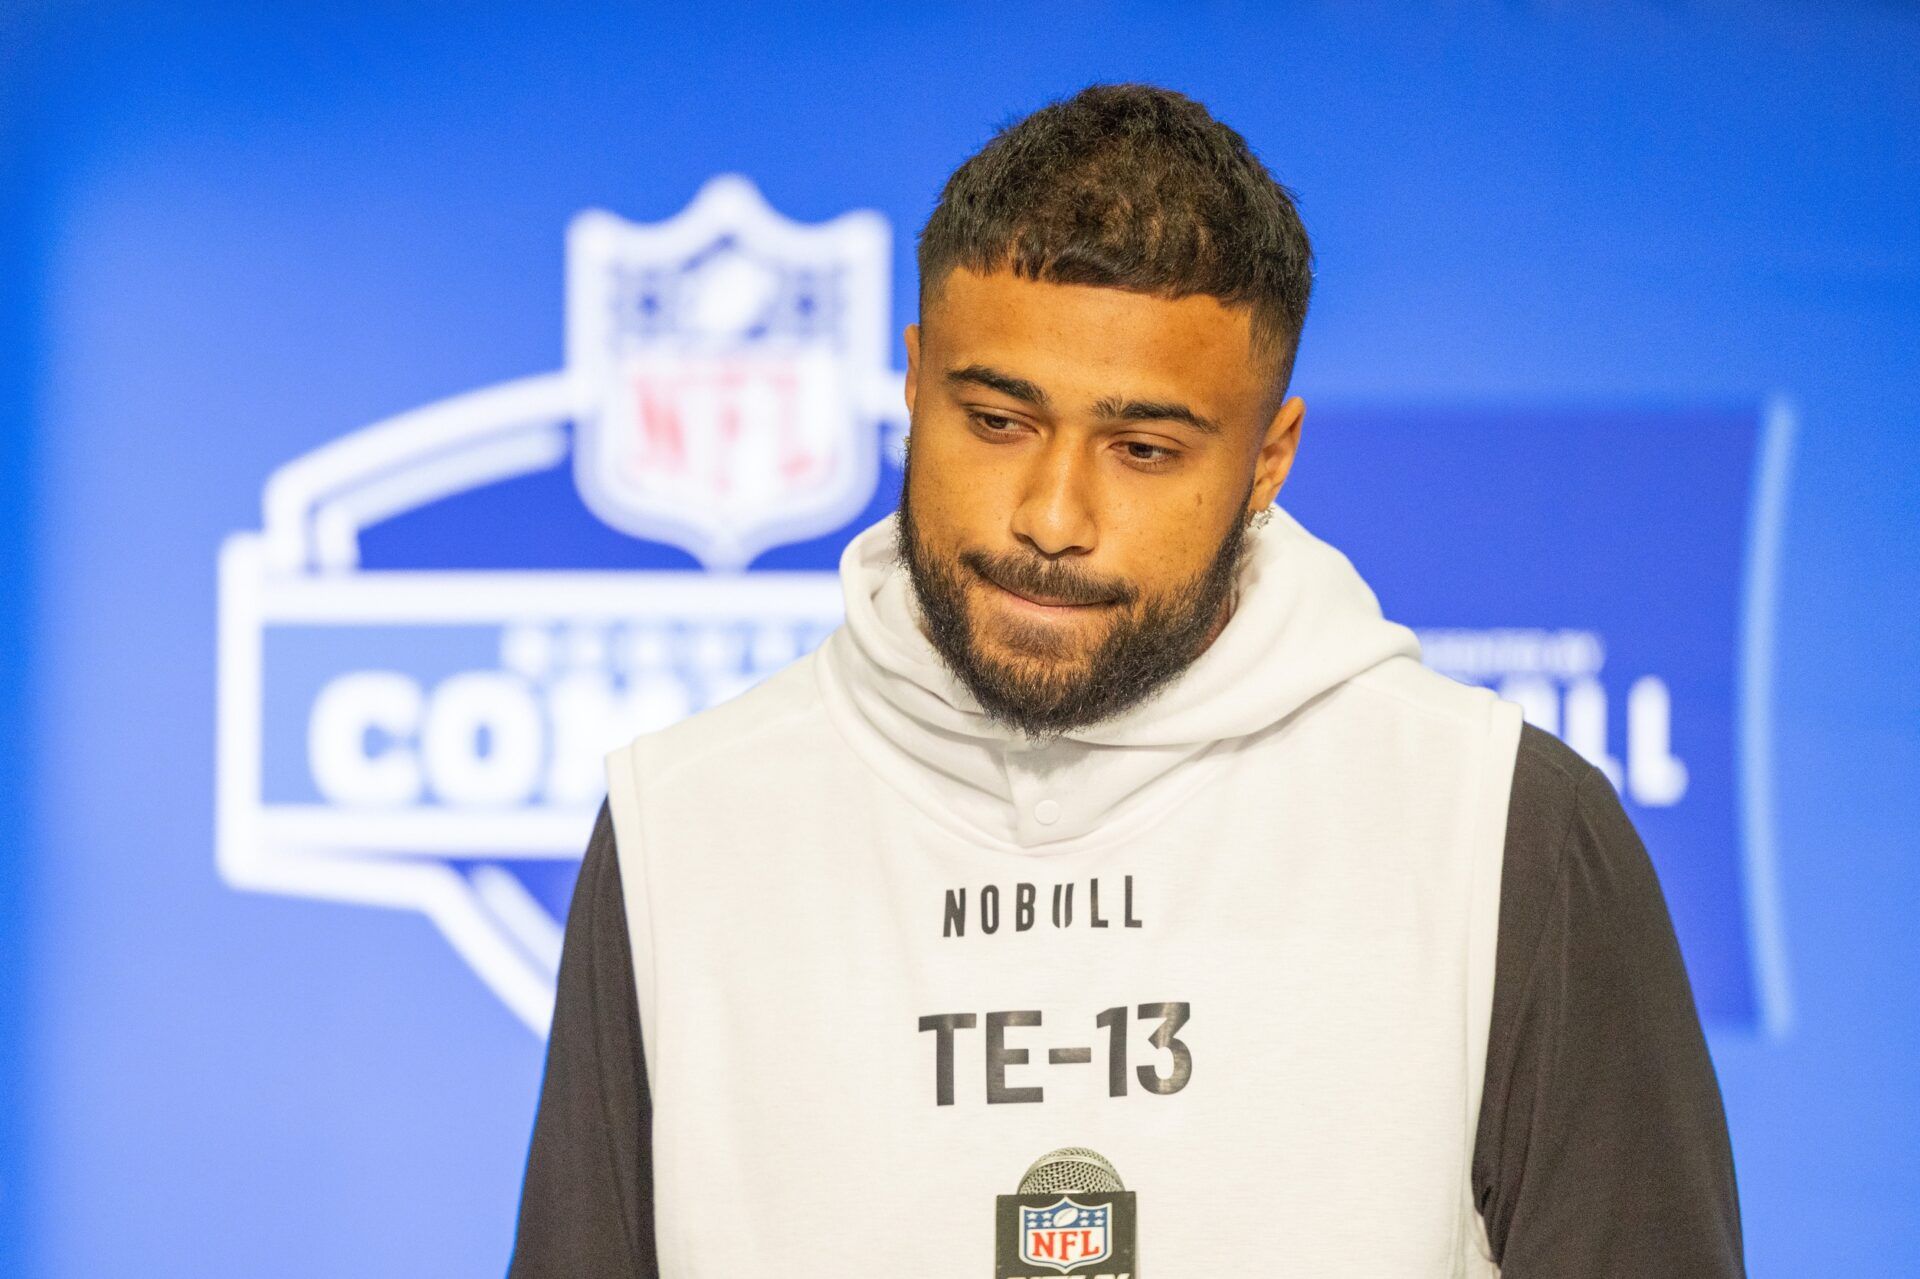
x=1602 y=1146
x=586 y=1208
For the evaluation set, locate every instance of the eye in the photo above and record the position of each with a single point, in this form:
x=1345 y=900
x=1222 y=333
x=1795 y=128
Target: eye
x=1147 y=456
x=993 y=423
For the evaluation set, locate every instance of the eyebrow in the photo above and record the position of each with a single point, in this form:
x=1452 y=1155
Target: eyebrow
x=1114 y=409
x=994 y=380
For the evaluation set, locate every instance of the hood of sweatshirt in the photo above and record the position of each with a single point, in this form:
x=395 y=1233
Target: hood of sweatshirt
x=1303 y=622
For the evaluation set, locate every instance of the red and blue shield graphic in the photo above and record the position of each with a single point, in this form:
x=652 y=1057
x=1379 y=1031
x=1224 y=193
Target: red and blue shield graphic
x=1066 y=1236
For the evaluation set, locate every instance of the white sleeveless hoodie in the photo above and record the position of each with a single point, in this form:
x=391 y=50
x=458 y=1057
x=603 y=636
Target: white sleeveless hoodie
x=1238 y=940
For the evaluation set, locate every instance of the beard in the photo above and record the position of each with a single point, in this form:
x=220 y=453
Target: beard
x=1047 y=689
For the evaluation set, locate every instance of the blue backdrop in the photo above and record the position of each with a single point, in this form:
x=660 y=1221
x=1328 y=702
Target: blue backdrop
x=1612 y=390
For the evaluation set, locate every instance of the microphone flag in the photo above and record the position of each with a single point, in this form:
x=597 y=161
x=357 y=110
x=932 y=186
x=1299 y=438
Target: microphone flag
x=1071 y=1217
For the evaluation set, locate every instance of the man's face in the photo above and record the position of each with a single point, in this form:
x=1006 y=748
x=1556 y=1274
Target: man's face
x=1081 y=466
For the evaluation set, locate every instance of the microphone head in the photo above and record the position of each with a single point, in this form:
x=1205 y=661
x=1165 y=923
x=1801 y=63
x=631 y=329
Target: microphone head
x=1074 y=1168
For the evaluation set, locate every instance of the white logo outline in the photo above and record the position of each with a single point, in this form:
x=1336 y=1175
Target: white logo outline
x=303 y=566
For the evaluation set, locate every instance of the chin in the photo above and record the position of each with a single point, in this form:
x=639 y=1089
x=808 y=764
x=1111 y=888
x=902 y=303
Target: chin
x=1053 y=648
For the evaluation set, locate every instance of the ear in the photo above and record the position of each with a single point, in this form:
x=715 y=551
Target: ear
x=1277 y=448
x=913 y=364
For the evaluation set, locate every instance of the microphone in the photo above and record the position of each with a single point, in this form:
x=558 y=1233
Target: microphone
x=1070 y=1216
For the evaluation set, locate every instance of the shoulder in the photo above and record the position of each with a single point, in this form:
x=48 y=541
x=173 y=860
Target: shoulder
x=1416 y=723
x=1548 y=777
x=1576 y=880
x=769 y=716
x=733 y=762
x=1564 y=820
x=1402 y=686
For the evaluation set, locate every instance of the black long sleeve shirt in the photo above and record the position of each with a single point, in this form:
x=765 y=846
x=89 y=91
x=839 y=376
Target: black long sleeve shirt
x=1601 y=1148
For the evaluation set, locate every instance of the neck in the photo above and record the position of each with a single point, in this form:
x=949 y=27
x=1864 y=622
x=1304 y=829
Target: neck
x=1220 y=623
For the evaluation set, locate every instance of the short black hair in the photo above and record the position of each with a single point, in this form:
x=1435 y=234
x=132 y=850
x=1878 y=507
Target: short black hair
x=1135 y=187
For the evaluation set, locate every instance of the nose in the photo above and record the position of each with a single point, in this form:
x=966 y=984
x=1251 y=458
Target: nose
x=1054 y=515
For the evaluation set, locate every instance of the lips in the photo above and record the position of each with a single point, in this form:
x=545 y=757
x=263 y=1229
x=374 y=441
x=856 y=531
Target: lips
x=1043 y=601
x=1049 y=603
x=1033 y=603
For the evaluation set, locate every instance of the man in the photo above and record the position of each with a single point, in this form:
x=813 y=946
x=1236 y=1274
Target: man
x=1117 y=817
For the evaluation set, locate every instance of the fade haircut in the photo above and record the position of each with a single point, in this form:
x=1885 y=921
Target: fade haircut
x=1134 y=187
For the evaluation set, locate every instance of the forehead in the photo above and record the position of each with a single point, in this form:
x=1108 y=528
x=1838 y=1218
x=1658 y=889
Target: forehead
x=1079 y=340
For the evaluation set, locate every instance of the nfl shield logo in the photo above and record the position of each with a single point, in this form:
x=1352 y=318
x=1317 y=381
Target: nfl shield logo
x=1066 y=1235
x=730 y=367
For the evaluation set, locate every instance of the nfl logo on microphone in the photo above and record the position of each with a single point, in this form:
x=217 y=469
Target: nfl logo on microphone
x=1091 y=1234
x=1065 y=1235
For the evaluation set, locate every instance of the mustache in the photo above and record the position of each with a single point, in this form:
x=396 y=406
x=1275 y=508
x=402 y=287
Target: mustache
x=1049 y=579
